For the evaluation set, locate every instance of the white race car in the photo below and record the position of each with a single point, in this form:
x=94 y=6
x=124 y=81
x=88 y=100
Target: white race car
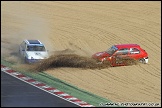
x=33 y=51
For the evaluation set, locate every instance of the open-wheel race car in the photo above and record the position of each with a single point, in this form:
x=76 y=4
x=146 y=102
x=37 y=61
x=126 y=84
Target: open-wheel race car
x=118 y=54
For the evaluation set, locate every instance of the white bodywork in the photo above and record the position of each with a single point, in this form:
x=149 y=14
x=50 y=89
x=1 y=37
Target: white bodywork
x=31 y=56
x=37 y=54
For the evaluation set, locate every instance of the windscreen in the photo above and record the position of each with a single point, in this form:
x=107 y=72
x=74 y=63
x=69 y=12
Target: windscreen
x=112 y=50
x=35 y=48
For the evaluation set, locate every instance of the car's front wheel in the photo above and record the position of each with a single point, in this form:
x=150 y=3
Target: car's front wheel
x=25 y=60
x=142 y=60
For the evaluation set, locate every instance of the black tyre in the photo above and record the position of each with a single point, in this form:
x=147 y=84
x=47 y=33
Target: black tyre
x=142 y=60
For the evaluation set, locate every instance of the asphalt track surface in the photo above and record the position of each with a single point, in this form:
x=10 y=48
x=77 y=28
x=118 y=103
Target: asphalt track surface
x=16 y=93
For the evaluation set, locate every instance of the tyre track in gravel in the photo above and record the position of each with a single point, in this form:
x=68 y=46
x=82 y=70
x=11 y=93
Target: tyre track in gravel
x=93 y=28
x=151 y=47
x=86 y=28
x=104 y=38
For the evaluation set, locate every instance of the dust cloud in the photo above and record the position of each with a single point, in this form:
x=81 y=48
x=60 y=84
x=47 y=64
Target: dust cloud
x=35 y=28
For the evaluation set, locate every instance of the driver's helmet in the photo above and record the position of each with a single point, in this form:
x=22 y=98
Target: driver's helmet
x=30 y=48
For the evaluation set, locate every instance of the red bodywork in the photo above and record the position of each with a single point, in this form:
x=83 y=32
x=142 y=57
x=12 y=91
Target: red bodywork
x=133 y=51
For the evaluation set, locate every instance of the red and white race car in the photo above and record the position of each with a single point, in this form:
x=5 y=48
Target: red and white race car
x=132 y=51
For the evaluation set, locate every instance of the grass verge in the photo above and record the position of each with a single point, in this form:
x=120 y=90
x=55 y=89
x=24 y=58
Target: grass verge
x=61 y=85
